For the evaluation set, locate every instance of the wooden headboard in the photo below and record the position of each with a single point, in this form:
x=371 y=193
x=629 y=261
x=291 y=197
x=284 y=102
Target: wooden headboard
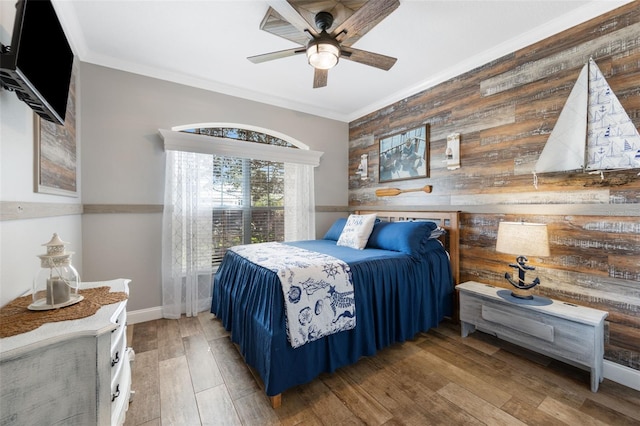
x=449 y=220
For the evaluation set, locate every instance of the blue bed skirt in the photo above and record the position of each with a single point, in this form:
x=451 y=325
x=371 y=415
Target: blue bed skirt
x=396 y=296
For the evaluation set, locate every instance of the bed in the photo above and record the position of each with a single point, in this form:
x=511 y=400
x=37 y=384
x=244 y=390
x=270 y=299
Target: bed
x=397 y=293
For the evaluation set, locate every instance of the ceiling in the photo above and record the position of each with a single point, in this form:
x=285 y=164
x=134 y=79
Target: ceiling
x=205 y=44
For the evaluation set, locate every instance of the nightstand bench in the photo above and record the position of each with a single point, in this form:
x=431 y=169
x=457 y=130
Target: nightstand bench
x=564 y=331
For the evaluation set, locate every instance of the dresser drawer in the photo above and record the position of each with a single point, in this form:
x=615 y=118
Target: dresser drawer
x=120 y=389
x=121 y=324
x=117 y=356
x=118 y=342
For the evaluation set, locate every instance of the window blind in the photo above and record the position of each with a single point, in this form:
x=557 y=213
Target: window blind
x=247 y=203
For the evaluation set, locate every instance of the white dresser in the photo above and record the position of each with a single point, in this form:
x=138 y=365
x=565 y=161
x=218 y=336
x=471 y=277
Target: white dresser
x=73 y=372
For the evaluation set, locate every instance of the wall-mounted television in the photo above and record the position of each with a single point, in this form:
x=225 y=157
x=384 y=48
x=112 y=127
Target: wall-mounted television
x=38 y=64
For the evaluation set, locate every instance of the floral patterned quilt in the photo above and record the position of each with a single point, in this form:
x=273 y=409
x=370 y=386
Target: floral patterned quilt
x=317 y=289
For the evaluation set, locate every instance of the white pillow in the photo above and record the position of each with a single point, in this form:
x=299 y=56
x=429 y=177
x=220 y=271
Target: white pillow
x=357 y=230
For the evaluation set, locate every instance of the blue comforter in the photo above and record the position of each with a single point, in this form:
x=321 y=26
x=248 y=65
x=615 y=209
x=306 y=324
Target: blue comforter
x=396 y=295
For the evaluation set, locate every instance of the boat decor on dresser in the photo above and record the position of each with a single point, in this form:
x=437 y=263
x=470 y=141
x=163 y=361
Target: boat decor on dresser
x=593 y=132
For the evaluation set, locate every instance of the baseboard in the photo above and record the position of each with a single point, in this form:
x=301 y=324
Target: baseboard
x=142 y=315
x=621 y=374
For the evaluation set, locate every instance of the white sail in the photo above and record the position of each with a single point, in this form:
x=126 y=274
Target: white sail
x=565 y=147
x=613 y=142
x=593 y=131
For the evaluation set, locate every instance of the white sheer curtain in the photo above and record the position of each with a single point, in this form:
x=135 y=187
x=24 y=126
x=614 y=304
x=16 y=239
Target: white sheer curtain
x=187 y=234
x=299 y=201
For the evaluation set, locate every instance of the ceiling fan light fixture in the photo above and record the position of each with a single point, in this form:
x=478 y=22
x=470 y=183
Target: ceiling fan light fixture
x=323 y=53
x=325 y=49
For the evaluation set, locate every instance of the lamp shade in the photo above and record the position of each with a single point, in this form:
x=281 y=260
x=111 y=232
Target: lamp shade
x=523 y=239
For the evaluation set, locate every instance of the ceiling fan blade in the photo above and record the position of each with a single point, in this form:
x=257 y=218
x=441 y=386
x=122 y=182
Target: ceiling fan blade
x=257 y=59
x=368 y=58
x=291 y=15
x=274 y=23
x=320 y=78
x=365 y=18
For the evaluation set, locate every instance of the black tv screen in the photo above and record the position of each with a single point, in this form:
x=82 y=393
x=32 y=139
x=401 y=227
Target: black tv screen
x=39 y=63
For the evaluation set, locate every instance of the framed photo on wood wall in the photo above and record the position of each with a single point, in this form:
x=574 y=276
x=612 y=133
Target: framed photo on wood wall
x=404 y=155
x=55 y=153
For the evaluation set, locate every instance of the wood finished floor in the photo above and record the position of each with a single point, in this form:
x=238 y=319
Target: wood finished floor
x=187 y=372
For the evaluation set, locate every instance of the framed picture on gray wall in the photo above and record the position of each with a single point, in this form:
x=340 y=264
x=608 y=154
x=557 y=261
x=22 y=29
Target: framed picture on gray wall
x=55 y=153
x=404 y=155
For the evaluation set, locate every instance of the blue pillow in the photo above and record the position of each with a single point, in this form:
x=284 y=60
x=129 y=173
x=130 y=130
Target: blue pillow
x=406 y=237
x=336 y=229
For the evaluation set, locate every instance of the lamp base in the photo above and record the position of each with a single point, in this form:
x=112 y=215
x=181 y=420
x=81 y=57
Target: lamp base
x=522 y=293
x=521 y=289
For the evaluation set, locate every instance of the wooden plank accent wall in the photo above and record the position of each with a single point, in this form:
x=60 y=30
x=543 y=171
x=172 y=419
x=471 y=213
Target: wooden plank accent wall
x=505 y=111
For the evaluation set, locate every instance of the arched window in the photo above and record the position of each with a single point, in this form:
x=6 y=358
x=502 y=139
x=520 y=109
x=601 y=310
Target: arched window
x=228 y=185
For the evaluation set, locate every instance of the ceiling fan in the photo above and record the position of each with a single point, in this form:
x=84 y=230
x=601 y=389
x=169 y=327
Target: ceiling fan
x=339 y=24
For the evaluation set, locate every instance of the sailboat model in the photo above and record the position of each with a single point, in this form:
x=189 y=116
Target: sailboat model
x=593 y=132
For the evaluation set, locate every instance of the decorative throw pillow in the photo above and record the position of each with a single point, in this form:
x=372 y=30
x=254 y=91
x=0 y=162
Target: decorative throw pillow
x=407 y=237
x=357 y=230
x=336 y=229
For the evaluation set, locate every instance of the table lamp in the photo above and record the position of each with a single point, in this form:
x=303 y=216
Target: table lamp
x=522 y=239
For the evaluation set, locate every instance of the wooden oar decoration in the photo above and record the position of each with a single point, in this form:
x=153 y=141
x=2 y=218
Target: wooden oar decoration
x=390 y=192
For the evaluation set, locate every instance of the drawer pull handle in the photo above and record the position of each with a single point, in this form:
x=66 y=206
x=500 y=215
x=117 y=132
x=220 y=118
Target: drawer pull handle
x=117 y=394
x=115 y=360
x=118 y=324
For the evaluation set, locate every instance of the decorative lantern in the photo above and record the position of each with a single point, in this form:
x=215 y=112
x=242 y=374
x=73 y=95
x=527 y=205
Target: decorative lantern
x=56 y=284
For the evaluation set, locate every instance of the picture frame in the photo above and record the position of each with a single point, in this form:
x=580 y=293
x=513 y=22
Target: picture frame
x=404 y=155
x=55 y=152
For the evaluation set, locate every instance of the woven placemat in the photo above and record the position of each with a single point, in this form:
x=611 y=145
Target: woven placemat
x=16 y=318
